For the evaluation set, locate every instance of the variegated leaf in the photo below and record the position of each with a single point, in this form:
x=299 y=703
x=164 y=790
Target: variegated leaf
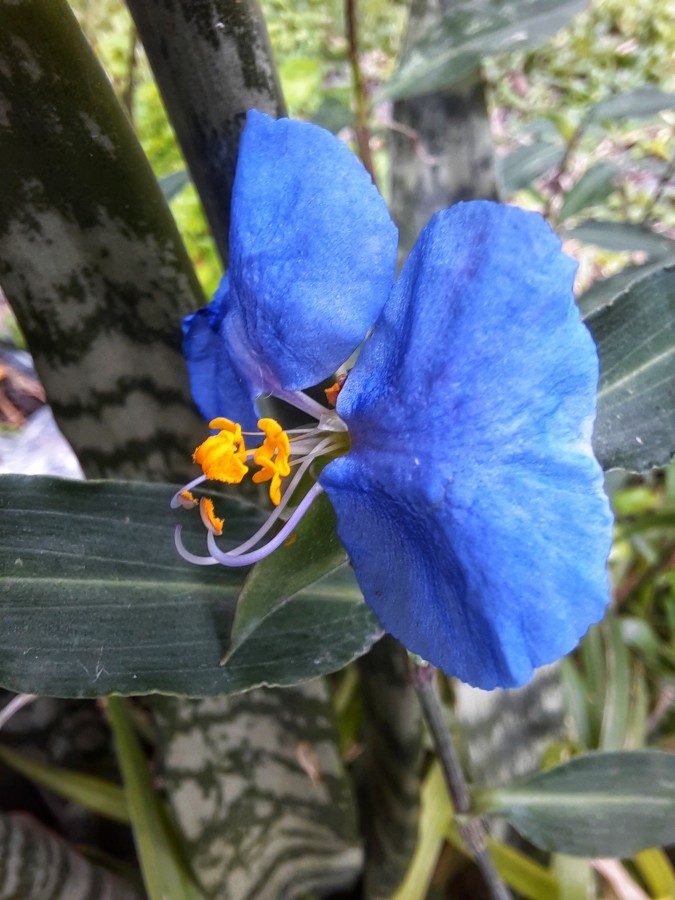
x=90 y=258
x=259 y=791
x=212 y=62
x=389 y=770
x=35 y=864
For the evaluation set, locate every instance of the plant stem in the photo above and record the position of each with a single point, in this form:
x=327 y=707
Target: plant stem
x=360 y=100
x=130 y=85
x=472 y=830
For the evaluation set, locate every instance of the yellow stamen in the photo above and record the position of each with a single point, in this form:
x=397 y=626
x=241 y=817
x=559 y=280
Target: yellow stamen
x=209 y=517
x=222 y=455
x=333 y=391
x=273 y=457
x=187 y=499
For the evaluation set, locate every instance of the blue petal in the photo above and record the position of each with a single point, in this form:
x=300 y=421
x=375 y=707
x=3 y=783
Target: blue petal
x=218 y=387
x=313 y=252
x=470 y=502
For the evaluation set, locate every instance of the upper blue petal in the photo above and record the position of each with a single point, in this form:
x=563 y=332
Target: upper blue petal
x=313 y=253
x=218 y=386
x=470 y=502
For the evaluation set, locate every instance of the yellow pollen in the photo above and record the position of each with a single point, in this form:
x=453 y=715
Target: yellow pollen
x=273 y=457
x=333 y=391
x=209 y=517
x=222 y=455
x=187 y=499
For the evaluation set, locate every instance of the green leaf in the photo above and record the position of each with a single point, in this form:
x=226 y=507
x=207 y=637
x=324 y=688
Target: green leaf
x=635 y=336
x=521 y=168
x=211 y=64
x=615 y=709
x=173 y=184
x=260 y=792
x=602 y=293
x=622 y=236
x=638 y=104
x=95 y=794
x=530 y=879
x=389 y=794
x=164 y=871
x=657 y=871
x=95 y=599
x=468 y=31
x=594 y=186
x=600 y=804
x=36 y=863
x=90 y=257
x=313 y=551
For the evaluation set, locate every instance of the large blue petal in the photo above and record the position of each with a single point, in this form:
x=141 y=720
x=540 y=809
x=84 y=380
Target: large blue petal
x=218 y=386
x=470 y=502
x=312 y=253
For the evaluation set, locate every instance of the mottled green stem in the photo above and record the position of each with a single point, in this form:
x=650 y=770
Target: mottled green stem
x=471 y=830
x=213 y=61
x=361 y=129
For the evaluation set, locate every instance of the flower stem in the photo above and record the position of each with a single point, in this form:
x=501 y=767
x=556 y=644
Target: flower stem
x=472 y=831
x=360 y=100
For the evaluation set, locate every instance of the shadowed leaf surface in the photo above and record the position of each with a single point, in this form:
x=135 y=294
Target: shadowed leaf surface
x=600 y=804
x=36 y=863
x=95 y=599
x=635 y=428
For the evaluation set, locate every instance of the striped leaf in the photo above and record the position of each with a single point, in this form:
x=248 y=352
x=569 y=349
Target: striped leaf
x=34 y=863
x=95 y=600
x=259 y=791
x=388 y=771
x=212 y=62
x=90 y=258
x=635 y=428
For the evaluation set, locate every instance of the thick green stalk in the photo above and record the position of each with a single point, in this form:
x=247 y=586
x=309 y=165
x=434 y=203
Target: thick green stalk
x=213 y=61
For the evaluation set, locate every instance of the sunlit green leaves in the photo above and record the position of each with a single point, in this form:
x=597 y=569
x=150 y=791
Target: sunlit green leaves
x=452 y=48
x=594 y=186
x=95 y=599
x=600 y=804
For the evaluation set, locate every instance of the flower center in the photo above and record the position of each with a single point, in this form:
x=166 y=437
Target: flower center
x=282 y=458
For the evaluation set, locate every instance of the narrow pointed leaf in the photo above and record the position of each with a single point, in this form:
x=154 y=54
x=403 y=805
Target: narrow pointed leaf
x=313 y=551
x=600 y=804
x=469 y=31
x=594 y=186
x=95 y=794
x=164 y=871
x=622 y=236
x=638 y=104
x=521 y=168
x=635 y=335
x=95 y=599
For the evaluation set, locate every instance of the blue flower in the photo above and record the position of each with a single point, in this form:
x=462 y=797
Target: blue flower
x=465 y=487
